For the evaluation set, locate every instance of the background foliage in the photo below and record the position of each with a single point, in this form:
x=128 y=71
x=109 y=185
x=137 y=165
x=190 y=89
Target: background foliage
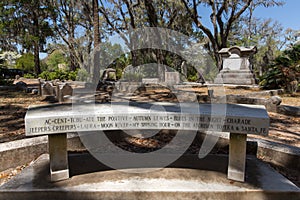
x=69 y=31
x=284 y=71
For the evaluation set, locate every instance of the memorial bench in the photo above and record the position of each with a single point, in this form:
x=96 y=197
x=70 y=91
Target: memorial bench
x=58 y=120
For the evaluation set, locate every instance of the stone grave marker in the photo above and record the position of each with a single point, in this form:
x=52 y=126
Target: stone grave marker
x=48 y=89
x=56 y=82
x=64 y=90
x=150 y=80
x=172 y=78
x=236 y=67
x=233 y=62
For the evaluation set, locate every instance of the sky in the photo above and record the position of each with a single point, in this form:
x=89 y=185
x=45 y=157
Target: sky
x=287 y=15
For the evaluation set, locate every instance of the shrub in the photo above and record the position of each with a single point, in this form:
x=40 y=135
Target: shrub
x=132 y=77
x=28 y=75
x=284 y=72
x=81 y=75
x=26 y=62
x=72 y=75
x=4 y=81
x=57 y=74
x=192 y=78
x=45 y=75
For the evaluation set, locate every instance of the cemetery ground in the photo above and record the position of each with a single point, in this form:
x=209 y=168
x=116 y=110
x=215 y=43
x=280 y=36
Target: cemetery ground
x=13 y=106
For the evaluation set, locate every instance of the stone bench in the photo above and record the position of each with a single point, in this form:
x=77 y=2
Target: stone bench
x=58 y=120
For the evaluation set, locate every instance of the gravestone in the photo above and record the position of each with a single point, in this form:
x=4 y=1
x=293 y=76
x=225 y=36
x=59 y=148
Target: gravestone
x=64 y=90
x=39 y=87
x=34 y=91
x=172 y=78
x=109 y=74
x=56 y=82
x=236 y=67
x=21 y=85
x=48 y=89
x=150 y=81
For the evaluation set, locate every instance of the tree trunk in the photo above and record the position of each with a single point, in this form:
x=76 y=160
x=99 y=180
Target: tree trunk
x=161 y=66
x=96 y=65
x=37 y=59
x=218 y=61
x=73 y=62
x=37 y=67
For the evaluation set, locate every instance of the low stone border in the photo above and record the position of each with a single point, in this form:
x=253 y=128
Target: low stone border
x=8 y=87
x=288 y=110
x=279 y=154
x=265 y=93
x=272 y=104
x=20 y=152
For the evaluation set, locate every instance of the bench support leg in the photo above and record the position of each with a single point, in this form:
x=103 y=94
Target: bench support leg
x=237 y=157
x=59 y=169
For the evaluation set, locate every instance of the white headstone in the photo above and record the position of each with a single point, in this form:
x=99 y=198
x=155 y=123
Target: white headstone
x=233 y=62
x=172 y=78
x=236 y=68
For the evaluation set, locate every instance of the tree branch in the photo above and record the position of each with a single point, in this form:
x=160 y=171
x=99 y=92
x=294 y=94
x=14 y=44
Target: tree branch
x=132 y=20
x=234 y=17
x=220 y=21
x=151 y=13
x=213 y=19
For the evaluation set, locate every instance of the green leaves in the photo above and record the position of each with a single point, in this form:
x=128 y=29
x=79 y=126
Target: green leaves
x=25 y=27
x=284 y=72
x=55 y=58
x=26 y=62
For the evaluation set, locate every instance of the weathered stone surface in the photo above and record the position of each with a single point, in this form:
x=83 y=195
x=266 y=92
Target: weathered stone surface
x=276 y=100
x=58 y=157
x=241 y=77
x=56 y=82
x=265 y=93
x=247 y=119
x=289 y=110
x=64 y=90
x=150 y=80
x=35 y=91
x=237 y=157
x=172 y=78
x=200 y=179
x=21 y=85
x=48 y=89
x=236 y=68
x=236 y=119
x=245 y=100
x=20 y=152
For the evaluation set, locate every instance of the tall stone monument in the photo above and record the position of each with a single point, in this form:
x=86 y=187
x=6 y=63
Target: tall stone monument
x=236 y=67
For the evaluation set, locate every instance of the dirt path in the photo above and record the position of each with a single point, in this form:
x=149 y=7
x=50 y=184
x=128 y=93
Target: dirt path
x=13 y=107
